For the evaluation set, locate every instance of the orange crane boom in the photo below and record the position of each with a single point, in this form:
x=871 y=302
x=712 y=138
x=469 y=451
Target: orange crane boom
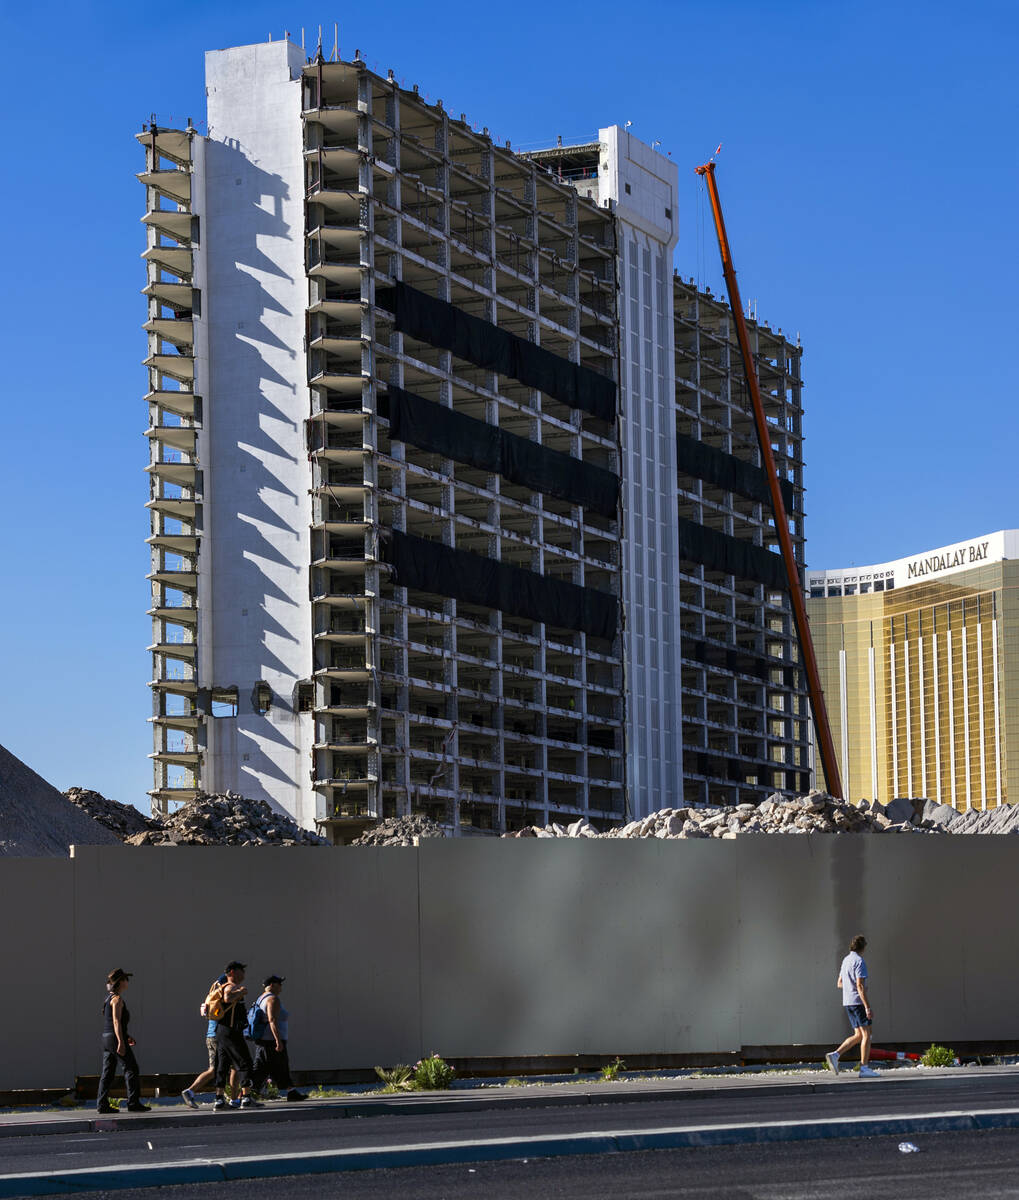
x=820 y=711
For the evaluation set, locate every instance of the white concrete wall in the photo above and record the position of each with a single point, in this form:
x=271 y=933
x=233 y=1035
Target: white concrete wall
x=256 y=621
x=647 y=237
x=505 y=948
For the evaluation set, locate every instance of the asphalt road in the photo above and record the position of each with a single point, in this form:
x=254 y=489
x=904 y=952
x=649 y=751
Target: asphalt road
x=199 y=1138
x=984 y=1166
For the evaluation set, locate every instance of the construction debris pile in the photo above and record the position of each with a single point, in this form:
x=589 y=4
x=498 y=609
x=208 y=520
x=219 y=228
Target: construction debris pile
x=217 y=820
x=813 y=813
x=1003 y=819
x=124 y=819
x=399 y=831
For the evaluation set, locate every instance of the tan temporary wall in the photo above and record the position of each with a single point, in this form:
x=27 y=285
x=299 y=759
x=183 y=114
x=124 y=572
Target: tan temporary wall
x=492 y=948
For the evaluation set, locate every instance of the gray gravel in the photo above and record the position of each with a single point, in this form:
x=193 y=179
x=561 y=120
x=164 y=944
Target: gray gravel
x=36 y=819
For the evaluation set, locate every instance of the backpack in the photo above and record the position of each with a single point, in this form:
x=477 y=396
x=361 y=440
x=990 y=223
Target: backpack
x=258 y=1023
x=214 y=1006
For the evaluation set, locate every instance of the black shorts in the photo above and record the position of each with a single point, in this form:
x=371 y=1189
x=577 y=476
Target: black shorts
x=233 y=1052
x=857 y=1015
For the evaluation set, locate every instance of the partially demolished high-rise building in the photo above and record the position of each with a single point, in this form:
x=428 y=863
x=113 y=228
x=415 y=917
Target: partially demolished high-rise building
x=416 y=532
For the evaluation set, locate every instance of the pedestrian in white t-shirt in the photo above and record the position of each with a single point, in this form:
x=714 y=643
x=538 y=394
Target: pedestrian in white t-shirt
x=852 y=979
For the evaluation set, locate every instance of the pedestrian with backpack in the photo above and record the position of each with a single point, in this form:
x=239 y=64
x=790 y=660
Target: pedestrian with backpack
x=208 y=1076
x=225 y=1005
x=267 y=1028
x=118 y=1046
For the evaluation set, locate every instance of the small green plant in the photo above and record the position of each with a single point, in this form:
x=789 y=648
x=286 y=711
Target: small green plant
x=612 y=1070
x=433 y=1074
x=270 y=1091
x=324 y=1093
x=113 y=1102
x=938 y=1056
x=514 y=1082
x=396 y=1079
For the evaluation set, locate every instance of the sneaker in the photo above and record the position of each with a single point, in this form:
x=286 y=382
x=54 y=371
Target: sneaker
x=220 y=1102
x=235 y=1102
x=868 y=1073
x=832 y=1059
x=251 y=1102
x=139 y=1107
x=294 y=1094
x=188 y=1096
x=105 y=1109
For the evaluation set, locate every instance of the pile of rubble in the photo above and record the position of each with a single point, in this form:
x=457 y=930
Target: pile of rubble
x=224 y=820
x=124 y=819
x=813 y=813
x=1003 y=819
x=399 y=831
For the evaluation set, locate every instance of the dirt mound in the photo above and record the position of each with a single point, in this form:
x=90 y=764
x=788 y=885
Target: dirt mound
x=36 y=819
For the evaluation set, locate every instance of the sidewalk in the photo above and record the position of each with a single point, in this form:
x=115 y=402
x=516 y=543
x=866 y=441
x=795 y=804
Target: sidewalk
x=889 y=1106
x=169 y=1113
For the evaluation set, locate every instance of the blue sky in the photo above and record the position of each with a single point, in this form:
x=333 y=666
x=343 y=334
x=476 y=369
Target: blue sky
x=869 y=178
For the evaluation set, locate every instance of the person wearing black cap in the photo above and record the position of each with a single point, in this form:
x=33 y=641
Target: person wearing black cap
x=271 y=1058
x=231 y=1048
x=118 y=1046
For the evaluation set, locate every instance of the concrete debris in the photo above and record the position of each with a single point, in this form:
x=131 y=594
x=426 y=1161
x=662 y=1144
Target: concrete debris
x=816 y=812
x=225 y=820
x=400 y=831
x=36 y=819
x=124 y=819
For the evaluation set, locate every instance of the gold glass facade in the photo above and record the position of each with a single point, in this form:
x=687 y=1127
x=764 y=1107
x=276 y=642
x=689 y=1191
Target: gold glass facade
x=922 y=685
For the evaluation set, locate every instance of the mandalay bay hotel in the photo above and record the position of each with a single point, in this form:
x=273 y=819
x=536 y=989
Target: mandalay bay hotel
x=919 y=660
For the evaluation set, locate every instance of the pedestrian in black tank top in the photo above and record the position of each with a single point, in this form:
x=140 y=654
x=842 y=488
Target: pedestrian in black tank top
x=231 y=1048
x=118 y=1045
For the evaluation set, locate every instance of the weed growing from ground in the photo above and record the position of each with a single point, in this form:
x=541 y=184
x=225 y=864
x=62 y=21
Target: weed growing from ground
x=433 y=1074
x=612 y=1070
x=396 y=1079
x=938 y=1056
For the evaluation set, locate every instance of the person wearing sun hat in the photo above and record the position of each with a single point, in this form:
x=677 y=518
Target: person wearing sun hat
x=118 y=1046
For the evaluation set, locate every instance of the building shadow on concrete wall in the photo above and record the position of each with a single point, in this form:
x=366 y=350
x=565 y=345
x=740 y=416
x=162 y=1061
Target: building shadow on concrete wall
x=260 y=559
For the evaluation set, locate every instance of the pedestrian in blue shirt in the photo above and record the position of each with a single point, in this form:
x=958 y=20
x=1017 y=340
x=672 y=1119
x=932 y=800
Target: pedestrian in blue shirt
x=852 y=979
x=207 y=1076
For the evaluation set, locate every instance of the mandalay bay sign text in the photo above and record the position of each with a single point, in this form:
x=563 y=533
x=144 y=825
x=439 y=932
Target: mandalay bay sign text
x=965 y=555
x=921 y=568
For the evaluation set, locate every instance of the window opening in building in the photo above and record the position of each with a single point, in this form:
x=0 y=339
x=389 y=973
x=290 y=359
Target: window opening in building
x=261 y=697
x=224 y=702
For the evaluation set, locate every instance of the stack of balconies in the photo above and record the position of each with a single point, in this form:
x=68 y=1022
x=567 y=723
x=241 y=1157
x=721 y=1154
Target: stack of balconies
x=344 y=567
x=175 y=485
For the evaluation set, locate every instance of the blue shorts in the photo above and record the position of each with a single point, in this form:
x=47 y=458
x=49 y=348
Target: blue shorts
x=857 y=1015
